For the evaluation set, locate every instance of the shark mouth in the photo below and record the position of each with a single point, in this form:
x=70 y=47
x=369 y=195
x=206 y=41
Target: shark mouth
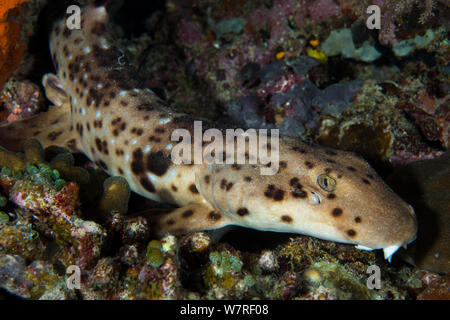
x=388 y=251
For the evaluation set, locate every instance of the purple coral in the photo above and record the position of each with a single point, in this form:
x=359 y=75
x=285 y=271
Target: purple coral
x=322 y=9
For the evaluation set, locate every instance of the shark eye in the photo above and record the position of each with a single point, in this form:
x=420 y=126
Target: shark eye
x=326 y=182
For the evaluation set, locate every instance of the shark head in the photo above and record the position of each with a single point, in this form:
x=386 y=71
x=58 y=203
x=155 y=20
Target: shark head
x=329 y=194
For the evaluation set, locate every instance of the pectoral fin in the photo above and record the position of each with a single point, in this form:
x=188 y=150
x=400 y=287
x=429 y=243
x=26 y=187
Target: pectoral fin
x=54 y=89
x=50 y=128
x=192 y=217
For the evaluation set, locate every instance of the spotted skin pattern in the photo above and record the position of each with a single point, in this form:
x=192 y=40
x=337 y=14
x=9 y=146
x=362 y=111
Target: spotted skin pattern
x=104 y=110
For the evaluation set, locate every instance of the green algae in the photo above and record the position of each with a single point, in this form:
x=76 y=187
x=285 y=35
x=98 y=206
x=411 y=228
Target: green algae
x=338 y=282
x=11 y=160
x=116 y=193
x=154 y=256
x=3 y=201
x=34 y=153
x=63 y=164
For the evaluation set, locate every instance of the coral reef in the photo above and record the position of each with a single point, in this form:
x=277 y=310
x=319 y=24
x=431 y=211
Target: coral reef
x=20 y=99
x=48 y=207
x=341 y=42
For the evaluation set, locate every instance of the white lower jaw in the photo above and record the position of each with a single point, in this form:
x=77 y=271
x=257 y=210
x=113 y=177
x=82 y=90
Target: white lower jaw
x=360 y=247
x=388 y=251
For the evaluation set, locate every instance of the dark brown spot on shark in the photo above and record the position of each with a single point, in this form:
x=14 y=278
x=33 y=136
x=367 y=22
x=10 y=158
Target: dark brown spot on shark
x=279 y=195
x=79 y=128
x=98 y=144
x=294 y=182
x=213 y=215
x=283 y=164
x=299 y=193
x=55 y=134
x=116 y=121
x=137 y=165
x=351 y=233
x=147 y=184
x=175 y=189
x=105 y=147
x=357 y=219
x=207 y=178
x=336 y=212
x=102 y=164
x=269 y=191
x=274 y=193
x=137 y=131
x=331 y=196
x=248 y=179
x=154 y=139
x=351 y=168
x=98 y=123
x=309 y=164
x=66 y=32
x=187 y=214
x=299 y=150
x=365 y=181
x=223 y=183
x=286 y=219
x=158 y=163
x=145 y=107
x=193 y=189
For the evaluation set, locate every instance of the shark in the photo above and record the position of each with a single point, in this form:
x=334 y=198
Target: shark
x=102 y=108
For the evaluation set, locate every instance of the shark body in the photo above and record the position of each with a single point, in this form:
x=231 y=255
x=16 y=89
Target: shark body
x=102 y=110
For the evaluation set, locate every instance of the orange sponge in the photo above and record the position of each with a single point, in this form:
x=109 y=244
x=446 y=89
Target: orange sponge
x=12 y=46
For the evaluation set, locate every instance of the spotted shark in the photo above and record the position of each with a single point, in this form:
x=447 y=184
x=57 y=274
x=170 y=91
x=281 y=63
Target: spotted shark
x=103 y=109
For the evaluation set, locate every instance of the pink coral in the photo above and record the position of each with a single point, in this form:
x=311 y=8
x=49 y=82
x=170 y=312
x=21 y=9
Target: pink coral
x=322 y=9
